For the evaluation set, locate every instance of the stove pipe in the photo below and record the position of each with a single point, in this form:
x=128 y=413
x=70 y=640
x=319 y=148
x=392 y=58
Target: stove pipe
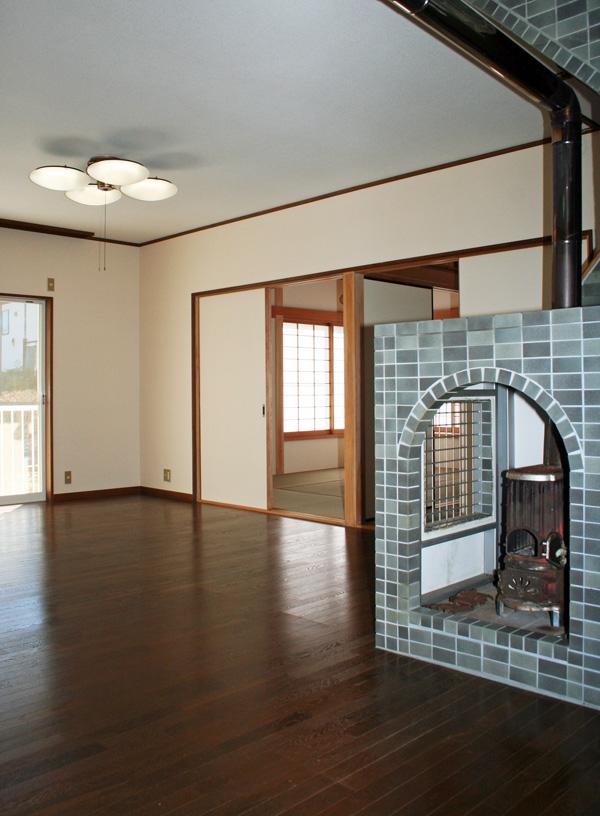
x=477 y=37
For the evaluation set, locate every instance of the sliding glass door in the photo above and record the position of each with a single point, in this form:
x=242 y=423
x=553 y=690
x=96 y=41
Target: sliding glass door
x=22 y=399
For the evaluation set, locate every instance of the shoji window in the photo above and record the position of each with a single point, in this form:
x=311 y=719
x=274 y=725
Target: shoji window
x=313 y=379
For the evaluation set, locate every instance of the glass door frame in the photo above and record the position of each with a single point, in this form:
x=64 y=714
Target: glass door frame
x=45 y=401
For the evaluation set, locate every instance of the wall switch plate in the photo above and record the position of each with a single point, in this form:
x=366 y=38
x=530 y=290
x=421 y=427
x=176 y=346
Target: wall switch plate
x=67 y=477
x=51 y=284
x=167 y=475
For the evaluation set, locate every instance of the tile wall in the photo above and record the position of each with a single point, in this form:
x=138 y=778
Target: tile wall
x=565 y=31
x=553 y=358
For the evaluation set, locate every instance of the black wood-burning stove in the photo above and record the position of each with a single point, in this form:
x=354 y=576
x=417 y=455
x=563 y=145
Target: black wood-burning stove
x=533 y=553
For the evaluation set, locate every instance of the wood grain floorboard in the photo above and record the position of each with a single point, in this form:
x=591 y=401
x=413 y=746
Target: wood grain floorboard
x=158 y=657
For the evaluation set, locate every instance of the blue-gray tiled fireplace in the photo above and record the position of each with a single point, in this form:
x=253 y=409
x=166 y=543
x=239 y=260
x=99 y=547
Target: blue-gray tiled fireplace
x=552 y=358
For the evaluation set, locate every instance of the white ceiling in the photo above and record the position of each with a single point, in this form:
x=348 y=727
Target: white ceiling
x=244 y=105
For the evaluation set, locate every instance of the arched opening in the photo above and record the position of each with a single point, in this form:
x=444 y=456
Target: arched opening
x=494 y=479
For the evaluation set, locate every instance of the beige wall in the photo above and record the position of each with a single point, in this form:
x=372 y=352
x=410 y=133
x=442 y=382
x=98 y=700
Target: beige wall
x=96 y=352
x=502 y=282
x=485 y=202
x=99 y=352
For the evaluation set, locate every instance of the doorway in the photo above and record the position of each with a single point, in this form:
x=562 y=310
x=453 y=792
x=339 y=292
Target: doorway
x=25 y=326
x=307 y=378
x=232 y=400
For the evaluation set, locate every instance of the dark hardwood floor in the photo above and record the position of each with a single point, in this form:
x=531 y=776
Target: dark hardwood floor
x=161 y=658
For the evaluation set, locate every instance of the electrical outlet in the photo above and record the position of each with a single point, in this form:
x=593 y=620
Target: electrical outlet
x=167 y=475
x=67 y=477
x=51 y=284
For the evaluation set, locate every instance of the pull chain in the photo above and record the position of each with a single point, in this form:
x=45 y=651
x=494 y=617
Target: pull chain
x=105 y=232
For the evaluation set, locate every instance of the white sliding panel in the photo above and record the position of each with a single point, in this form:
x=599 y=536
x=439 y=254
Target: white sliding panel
x=233 y=442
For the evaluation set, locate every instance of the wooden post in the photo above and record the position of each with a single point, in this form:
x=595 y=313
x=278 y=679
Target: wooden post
x=279 y=442
x=353 y=319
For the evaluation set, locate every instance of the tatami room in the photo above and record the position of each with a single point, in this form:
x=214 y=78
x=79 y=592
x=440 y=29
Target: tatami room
x=299 y=378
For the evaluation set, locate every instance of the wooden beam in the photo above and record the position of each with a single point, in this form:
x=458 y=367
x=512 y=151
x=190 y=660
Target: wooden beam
x=446 y=314
x=353 y=284
x=296 y=436
x=311 y=316
x=29 y=226
x=428 y=276
x=64 y=232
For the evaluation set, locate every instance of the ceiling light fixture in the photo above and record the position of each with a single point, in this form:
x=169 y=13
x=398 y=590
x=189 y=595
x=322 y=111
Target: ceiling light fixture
x=109 y=174
x=59 y=178
x=150 y=189
x=94 y=194
x=116 y=171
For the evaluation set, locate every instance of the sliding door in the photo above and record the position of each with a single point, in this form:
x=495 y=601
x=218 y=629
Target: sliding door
x=22 y=398
x=233 y=439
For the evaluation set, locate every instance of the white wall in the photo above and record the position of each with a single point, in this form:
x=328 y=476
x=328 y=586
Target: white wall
x=450 y=562
x=485 y=202
x=528 y=433
x=96 y=352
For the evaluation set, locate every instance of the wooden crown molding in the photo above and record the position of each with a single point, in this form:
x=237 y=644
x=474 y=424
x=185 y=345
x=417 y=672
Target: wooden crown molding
x=61 y=232
x=591 y=127
x=344 y=190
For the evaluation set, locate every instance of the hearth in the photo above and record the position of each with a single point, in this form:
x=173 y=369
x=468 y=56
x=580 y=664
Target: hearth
x=533 y=551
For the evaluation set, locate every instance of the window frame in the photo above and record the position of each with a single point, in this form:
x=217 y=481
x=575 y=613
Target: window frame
x=461 y=527
x=310 y=317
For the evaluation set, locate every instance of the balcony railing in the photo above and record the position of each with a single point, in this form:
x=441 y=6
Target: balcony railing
x=20 y=472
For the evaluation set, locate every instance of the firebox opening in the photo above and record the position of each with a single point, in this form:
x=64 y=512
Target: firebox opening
x=494 y=521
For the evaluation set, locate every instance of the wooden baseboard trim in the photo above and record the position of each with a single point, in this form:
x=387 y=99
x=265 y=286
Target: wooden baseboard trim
x=114 y=492
x=83 y=495
x=287 y=514
x=159 y=493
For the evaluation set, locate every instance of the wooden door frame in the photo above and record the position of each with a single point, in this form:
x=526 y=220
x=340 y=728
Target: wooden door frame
x=49 y=383
x=353 y=314
x=270 y=300
x=352 y=320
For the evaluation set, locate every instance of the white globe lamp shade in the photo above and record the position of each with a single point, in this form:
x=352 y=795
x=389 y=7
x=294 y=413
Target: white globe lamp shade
x=93 y=196
x=151 y=189
x=117 y=171
x=55 y=177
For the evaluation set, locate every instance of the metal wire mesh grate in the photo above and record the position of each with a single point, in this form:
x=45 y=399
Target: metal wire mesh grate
x=453 y=464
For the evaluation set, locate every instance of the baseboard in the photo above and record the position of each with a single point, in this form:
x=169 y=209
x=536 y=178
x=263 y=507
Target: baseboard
x=109 y=493
x=114 y=492
x=173 y=495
